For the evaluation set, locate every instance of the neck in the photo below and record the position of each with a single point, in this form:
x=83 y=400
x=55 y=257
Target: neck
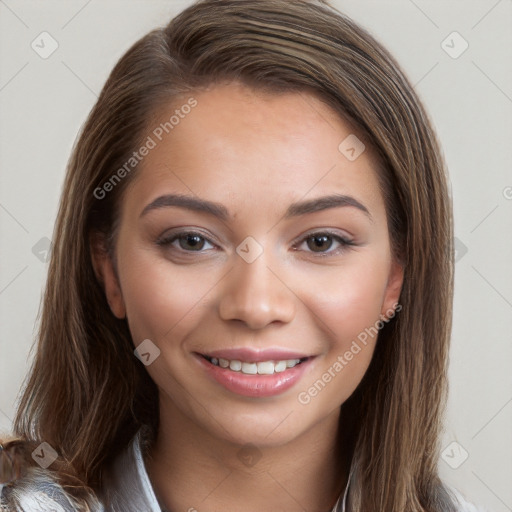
x=190 y=469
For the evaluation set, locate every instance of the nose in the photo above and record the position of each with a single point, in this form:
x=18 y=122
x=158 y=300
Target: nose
x=256 y=294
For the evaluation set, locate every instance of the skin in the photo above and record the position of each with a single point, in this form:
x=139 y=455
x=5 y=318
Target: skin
x=255 y=153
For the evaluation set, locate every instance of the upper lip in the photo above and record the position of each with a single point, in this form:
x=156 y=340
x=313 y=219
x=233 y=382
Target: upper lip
x=255 y=356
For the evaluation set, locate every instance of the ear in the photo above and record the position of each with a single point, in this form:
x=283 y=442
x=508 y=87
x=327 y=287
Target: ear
x=106 y=274
x=393 y=289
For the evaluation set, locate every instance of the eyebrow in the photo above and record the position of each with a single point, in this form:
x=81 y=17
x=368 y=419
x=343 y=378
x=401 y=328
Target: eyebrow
x=221 y=212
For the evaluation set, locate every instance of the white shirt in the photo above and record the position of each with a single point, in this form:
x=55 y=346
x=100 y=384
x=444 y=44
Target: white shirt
x=126 y=487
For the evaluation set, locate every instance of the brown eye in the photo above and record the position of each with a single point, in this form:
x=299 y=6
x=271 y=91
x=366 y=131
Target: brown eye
x=322 y=241
x=185 y=242
x=191 y=241
x=319 y=243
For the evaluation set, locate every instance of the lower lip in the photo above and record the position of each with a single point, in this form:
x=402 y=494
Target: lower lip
x=258 y=386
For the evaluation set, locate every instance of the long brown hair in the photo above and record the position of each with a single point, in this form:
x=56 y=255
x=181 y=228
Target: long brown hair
x=87 y=394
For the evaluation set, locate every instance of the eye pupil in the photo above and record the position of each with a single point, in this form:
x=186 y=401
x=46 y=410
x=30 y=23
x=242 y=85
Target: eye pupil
x=319 y=240
x=194 y=241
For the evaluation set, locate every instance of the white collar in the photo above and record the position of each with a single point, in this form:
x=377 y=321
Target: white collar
x=127 y=487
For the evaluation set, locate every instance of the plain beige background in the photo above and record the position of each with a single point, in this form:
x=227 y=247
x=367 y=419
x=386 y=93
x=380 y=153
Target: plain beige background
x=468 y=93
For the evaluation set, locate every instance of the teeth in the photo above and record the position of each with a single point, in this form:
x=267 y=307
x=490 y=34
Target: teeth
x=266 y=368
x=280 y=366
x=250 y=368
x=236 y=366
x=262 y=368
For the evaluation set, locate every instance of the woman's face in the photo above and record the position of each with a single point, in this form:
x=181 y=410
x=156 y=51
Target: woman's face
x=270 y=275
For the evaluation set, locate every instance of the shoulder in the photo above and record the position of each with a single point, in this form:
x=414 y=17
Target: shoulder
x=462 y=504
x=39 y=492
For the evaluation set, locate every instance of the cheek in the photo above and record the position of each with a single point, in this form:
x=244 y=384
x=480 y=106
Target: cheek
x=346 y=304
x=347 y=299
x=161 y=298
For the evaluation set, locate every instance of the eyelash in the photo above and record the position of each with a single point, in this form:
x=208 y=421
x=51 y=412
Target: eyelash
x=345 y=243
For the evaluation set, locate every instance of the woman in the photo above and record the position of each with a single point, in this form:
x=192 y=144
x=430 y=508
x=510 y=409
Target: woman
x=249 y=298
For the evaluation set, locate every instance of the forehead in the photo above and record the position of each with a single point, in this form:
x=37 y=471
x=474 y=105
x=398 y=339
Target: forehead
x=237 y=145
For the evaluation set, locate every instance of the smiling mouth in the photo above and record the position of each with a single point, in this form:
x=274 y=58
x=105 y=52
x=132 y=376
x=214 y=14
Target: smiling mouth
x=253 y=368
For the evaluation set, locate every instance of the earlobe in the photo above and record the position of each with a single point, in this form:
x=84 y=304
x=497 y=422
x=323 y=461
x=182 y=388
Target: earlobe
x=393 y=290
x=106 y=275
